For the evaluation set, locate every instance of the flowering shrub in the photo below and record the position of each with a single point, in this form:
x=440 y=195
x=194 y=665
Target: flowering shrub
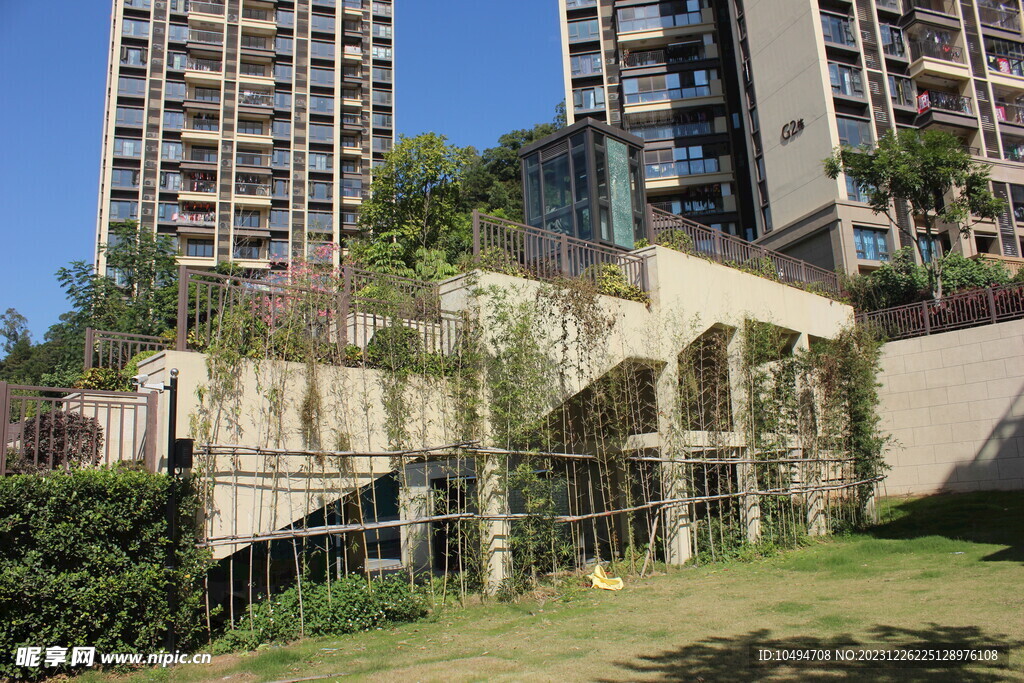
x=67 y=437
x=347 y=605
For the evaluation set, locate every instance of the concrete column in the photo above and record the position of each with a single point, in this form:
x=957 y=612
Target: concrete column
x=750 y=504
x=815 y=500
x=493 y=494
x=414 y=503
x=810 y=473
x=676 y=520
x=746 y=477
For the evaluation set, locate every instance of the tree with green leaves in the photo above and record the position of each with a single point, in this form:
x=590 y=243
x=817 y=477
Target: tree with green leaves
x=140 y=294
x=13 y=328
x=414 y=203
x=933 y=173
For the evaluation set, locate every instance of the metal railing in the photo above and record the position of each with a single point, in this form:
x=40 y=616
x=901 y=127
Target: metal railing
x=252 y=189
x=954 y=312
x=206 y=37
x=209 y=65
x=105 y=349
x=548 y=255
x=946 y=101
x=48 y=428
x=944 y=51
x=252 y=159
x=677 y=54
x=257 y=14
x=940 y=6
x=732 y=251
x=203 y=186
x=206 y=7
x=256 y=99
x=1009 y=113
x=345 y=311
x=1000 y=17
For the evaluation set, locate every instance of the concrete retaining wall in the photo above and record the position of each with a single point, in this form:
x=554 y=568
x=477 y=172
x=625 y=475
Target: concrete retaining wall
x=953 y=401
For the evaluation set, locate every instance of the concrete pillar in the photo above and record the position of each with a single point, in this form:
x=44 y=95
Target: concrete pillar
x=495 y=540
x=414 y=503
x=746 y=476
x=814 y=500
x=676 y=520
x=750 y=504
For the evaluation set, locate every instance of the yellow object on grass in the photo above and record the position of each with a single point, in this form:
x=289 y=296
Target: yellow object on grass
x=601 y=580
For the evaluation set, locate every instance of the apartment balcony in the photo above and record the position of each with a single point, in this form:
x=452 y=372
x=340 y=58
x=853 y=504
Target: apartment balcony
x=252 y=194
x=352 y=53
x=252 y=159
x=1013 y=148
x=1009 y=115
x=945 y=110
x=673 y=54
x=1001 y=17
x=932 y=12
x=206 y=39
x=891 y=6
x=262 y=20
x=256 y=99
x=688 y=96
x=198 y=189
x=353 y=8
x=195 y=218
x=651 y=33
x=691 y=172
x=941 y=60
x=201 y=131
x=206 y=10
x=204 y=72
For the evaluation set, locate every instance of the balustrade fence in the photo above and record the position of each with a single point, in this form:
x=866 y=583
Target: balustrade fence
x=105 y=349
x=728 y=250
x=954 y=312
x=48 y=428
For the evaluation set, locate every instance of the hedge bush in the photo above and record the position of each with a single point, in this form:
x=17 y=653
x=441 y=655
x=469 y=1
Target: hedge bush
x=348 y=605
x=83 y=564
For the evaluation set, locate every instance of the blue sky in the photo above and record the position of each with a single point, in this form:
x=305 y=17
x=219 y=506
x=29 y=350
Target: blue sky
x=468 y=69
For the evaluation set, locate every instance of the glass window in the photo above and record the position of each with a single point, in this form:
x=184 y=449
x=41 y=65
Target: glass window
x=322 y=22
x=128 y=116
x=892 y=40
x=351 y=187
x=171 y=151
x=846 y=80
x=660 y=15
x=580 y=31
x=170 y=180
x=176 y=61
x=128 y=147
x=247 y=249
x=174 y=90
x=124 y=211
x=135 y=28
x=836 y=29
x=320 y=221
x=279 y=218
x=382 y=120
x=669 y=86
x=279 y=250
x=124 y=177
x=382 y=31
x=133 y=56
x=167 y=211
x=252 y=69
x=382 y=74
x=382 y=97
x=853 y=132
x=250 y=127
x=931 y=247
x=131 y=86
x=281 y=158
x=177 y=32
x=284 y=45
x=174 y=120
x=319 y=161
x=585 y=65
x=871 y=243
x=321 y=104
x=285 y=19
x=321 y=50
x=320 y=190
x=320 y=133
x=283 y=72
x=381 y=144
x=321 y=76
x=586 y=99
x=204 y=154
x=381 y=52
x=247 y=219
x=206 y=94
x=199 y=248
x=855 y=193
x=282 y=129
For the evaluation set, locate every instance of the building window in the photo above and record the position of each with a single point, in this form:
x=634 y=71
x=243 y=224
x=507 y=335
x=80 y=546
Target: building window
x=1005 y=56
x=871 y=243
x=846 y=80
x=124 y=177
x=282 y=100
x=585 y=65
x=128 y=116
x=206 y=155
x=588 y=99
x=320 y=133
x=284 y=45
x=853 y=132
x=170 y=180
x=174 y=90
x=381 y=144
x=283 y=72
x=321 y=76
x=671 y=86
x=380 y=52
x=250 y=127
x=199 y=248
x=660 y=15
x=321 y=50
x=931 y=247
x=855 y=193
x=170 y=151
x=247 y=219
x=247 y=249
x=381 y=74
x=892 y=40
x=382 y=120
x=382 y=97
x=683 y=161
x=320 y=190
x=124 y=211
x=382 y=31
x=206 y=94
x=135 y=28
x=174 y=120
x=281 y=158
x=351 y=187
x=167 y=211
x=131 y=87
x=133 y=56
x=128 y=147
x=279 y=250
x=176 y=61
x=836 y=29
x=285 y=19
x=319 y=161
x=580 y=31
x=280 y=187
x=322 y=22
x=319 y=221
x=279 y=218
x=321 y=105
x=282 y=129
x=252 y=69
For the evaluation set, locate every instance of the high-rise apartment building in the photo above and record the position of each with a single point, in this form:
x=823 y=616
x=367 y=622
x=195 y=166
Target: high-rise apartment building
x=663 y=71
x=245 y=129
x=809 y=75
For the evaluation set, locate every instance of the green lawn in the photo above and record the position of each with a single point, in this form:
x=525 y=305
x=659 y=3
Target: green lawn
x=946 y=569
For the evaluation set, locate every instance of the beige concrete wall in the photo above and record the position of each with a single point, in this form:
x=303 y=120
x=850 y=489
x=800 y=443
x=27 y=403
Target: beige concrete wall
x=954 y=404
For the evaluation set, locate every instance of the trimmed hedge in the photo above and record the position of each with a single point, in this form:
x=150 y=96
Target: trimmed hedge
x=83 y=563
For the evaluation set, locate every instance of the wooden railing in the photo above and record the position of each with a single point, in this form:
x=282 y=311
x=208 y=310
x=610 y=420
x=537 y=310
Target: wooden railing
x=547 y=255
x=733 y=251
x=954 y=312
x=105 y=349
x=47 y=428
x=343 y=311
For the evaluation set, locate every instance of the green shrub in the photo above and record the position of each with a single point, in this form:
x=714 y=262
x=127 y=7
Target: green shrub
x=84 y=564
x=104 y=379
x=394 y=348
x=611 y=281
x=679 y=240
x=348 y=605
x=131 y=369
